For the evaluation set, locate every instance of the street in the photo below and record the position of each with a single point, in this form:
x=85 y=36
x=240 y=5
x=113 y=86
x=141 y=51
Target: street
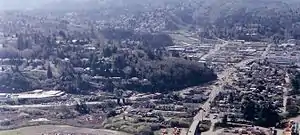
x=224 y=78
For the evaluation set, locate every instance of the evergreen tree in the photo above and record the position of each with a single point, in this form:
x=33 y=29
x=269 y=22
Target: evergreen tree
x=107 y=52
x=82 y=108
x=109 y=86
x=49 y=72
x=268 y=117
x=249 y=110
x=225 y=119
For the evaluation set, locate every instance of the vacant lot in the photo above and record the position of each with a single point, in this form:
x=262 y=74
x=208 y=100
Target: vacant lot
x=53 y=129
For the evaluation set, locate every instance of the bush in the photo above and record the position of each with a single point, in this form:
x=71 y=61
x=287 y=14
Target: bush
x=5 y=122
x=111 y=113
x=145 y=130
x=204 y=125
x=180 y=123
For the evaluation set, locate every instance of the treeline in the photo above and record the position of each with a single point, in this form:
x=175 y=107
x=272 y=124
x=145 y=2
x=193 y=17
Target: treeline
x=295 y=80
x=147 y=70
x=293 y=102
x=170 y=74
x=154 y=40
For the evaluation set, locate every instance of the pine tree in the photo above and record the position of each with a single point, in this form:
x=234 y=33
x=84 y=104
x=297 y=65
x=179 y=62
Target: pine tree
x=225 y=119
x=49 y=72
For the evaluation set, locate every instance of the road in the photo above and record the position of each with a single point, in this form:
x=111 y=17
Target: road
x=224 y=78
x=214 y=50
x=214 y=92
x=45 y=105
x=285 y=92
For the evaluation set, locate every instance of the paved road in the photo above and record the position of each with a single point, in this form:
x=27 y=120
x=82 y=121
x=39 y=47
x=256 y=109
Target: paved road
x=214 y=50
x=206 y=106
x=213 y=94
x=285 y=92
x=224 y=78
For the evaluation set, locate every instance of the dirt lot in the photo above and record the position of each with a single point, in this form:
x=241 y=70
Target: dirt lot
x=62 y=130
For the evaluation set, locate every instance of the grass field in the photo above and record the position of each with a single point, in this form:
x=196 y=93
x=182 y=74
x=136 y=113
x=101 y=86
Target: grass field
x=54 y=129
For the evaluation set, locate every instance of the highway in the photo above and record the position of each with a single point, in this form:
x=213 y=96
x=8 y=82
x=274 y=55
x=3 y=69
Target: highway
x=224 y=78
x=214 y=92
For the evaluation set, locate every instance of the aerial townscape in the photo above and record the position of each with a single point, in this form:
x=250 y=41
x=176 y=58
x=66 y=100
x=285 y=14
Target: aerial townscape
x=150 y=67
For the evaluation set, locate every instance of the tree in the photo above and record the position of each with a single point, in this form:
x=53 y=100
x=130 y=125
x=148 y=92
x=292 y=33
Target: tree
x=296 y=83
x=249 y=110
x=49 y=72
x=292 y=110
x=230 y=98
x=109 y=86
x=145 y=131
x=111 y=113
x=62 y=34
x=107 y=52
x=268 y=117
x=233 y=118
x=92 y=61
x=175 y=54
x=114 y=49
x=120 y=61
x=150 y=54
x=225 y=119
x=82 y=108
x=21 y=42
x=128 y=71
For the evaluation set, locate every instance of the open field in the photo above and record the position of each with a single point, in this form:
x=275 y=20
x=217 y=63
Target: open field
x=63 y=129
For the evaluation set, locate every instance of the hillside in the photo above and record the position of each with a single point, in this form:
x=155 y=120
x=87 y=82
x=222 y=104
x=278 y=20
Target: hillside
x=229 y=19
